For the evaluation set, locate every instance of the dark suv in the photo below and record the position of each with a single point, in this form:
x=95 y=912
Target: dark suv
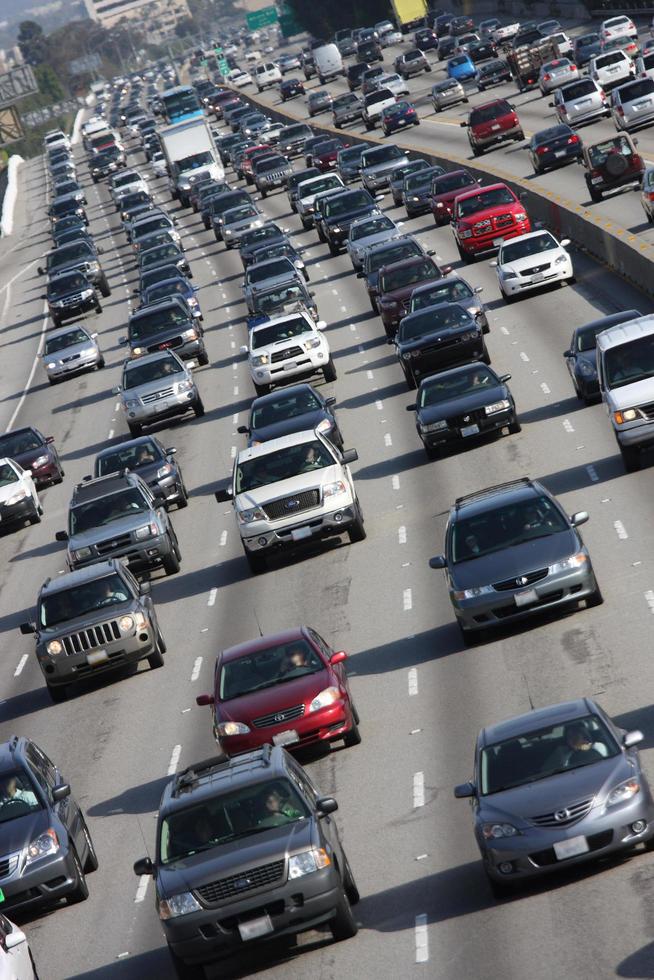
x=79 y=256
x=33 y=451
x=170 y=323
x=614 y=162
x=91 y=621
x=45 y=846
x=246 y=851
x=71 y=294
x=118 y=516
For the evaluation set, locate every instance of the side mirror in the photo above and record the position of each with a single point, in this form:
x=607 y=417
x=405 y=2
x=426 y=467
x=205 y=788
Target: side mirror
x=203 y=700
x=413 y=407
x=27 y=628
x=143 y=867
x=224 y=496
x=338 y=658
x=431 y=251
x=360 y=274
x=464 y=791
x=567 y=353
x=330 y=401
x=15 y=938
x=145 y=588
x=438 y=562
x=312 y=292
x=493 y=263
x=61 y=536
x=122 y=341
x=350 y=455
x=244 y=349
x=550 y=105
x=60 y=793
x=478 y=289
x=41 y=270
x=463 y=125
x=43 y=296
x=171 y=451
x=579 y=518
x=135 y=292
x=116 y=390
x=632 y=738
x=505 y=377
x=564 y=242
x=325 y=805
x=243 y=429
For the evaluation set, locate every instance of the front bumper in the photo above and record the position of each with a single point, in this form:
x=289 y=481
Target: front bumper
x=43 y=883
x=141 y=556
x=16 y=513
x=163 y=409
x=127 y=650
x=71 y=310
x=73 y=367
x=308 y=363
x=313 y=526
x=523 y=284
x=635 y=434
x=478 y=244
x=319 y=726
x=455 y=435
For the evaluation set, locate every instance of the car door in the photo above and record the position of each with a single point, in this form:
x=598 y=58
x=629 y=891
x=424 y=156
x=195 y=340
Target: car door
x=327 y=652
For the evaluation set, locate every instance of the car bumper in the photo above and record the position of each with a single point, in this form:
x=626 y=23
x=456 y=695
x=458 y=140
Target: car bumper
x=638 y=119
x=170 y=488
x=66 y=312
x=495 y=138
x=47 y=881
x=16 y=513
x=319 y=726
x=127 y=650
x=478 y=244
x=421 y=206
x=311 y=528
x=140 y=557
x=639 y=435
x=564 y=156
x=522 y=284
x=73 y=367
x=575 y=118
x=347 y=117
x=45 y=474
x=485 y=426
x=164 y=409
x=271 y=374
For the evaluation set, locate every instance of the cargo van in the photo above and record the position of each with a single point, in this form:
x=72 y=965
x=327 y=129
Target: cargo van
x=625 y=369
x=328 y=61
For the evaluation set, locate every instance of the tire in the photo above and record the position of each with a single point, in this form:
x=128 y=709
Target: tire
x=515 y=427
x=100 y=364
x=170 y=563
x=595 y=196
x=104 y=287
x=264 y=193
x=486 y=356
x=343 y=925
x=476 y=150
x=329 y=370
x=81 y=890
x=256 y=563
x=350 y=739
x=468 y=259
x=595 y=598
x=91 y=864
x=182 y=500
x=349 y=884
x=333 y=249
x=305 y=223
x=411 y=382
x=203 y=358
x=56 y=322
x=261 y=389
x=156 y=658
x=357 y=532
x=185 y=971
x=198 y=408
x=373 y=305
x=98 y=308
x=630 y=458
x=58 y=693
x=134 y=429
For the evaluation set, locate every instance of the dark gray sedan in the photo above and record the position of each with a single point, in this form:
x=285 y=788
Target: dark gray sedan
x=581 y=356
x=555 y=787
x=453 y=289
x=289 y=410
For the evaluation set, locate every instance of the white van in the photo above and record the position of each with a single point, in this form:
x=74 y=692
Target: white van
x=266 y=74
x=625 y=369
x=329 y=62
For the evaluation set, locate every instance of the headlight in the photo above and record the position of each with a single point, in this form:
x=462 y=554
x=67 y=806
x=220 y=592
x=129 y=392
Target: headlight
x=324 y=426
x=51 y=365
x=336 y=228
x=54 y=648
x=306 y=862
x=138 y=350
x=474 y=593
x=260 y=359
x=132 y=403
x=334 y=489
x=41 y=846
x=17 y=497
x=629 y=415
x=94 y=267
x=500 y=406
x=508 y=274
x=521 y=216
x=86 y=293
x=147 y=531
x=495 y=831
x=189 y=334
x=176 y=905
x=126 y=624
x=568 y=564
x=164 y=471
x=561 y=259
x=414 y=197
x=185 y=385
x=470 y=334
x=248 y=516
x=623 y=792
x=390 y=303
x=587 y=369
x=465 y=234
x=329 y=696
x=434 y=426
x=88 y=352
x=232 y=728
x=40 y=461
x=312 y=344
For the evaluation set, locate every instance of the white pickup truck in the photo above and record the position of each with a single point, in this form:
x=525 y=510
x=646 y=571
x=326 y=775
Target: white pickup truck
x=286 y=348
x=373 y=105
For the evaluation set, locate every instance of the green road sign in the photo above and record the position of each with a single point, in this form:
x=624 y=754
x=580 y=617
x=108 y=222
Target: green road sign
x=223 y=67
x=261 y=18
x=289 y=26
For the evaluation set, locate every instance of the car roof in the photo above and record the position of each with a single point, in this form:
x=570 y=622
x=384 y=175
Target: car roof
x=216 y=775
x=140 y=440
x=553 y=714
x=643 y=326
x=289 y=390
x=263 y=643
x=80 y=576
x=103 y=486
x=530 y=234
x=158 y=306
x=612 y=320
x=502 y=493
x=402 y=263
x=292 y=439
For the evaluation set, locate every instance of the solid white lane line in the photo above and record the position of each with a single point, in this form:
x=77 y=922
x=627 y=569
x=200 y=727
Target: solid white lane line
x=592 y=472
x=212 y=597
x=568 y=426
x=144 y=881
x=418 y=789
x=421 y=939
x=395 y=482
x=30 y=378
x=620 y=530
x=223 y=539
x=401 y=534
x=407 y=600
x=387 y=439
x=197 y=666
x=413 y=682
x=379 y=405
x=174 y=759
x=21 y=663
x=110 y=434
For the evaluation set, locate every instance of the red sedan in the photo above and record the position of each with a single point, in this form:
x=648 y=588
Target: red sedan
x=445 y=188
x=290 y=689
x=324 y=155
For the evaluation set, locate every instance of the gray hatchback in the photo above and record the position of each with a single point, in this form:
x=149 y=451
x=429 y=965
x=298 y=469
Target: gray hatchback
x=555 y=787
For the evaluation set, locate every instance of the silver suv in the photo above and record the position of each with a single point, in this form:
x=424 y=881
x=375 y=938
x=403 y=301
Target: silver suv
x=70 y=350
x=379 y=163
x=292 y=491
x=157 y=386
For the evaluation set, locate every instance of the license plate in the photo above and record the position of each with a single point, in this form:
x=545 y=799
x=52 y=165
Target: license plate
x=495 y=126
x=559 y=153
x=97 y=657
x=255 y=928
x=300 y=533
x=497 y=242
x=469 y=430
x=403 y=122
x=571 y=848
x=290 y=366
x=289 y=737
x=525 y=598
x=159 y=407
x=537 y=277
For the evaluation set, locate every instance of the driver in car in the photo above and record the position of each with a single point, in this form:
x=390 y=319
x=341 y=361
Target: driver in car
x=11 y=792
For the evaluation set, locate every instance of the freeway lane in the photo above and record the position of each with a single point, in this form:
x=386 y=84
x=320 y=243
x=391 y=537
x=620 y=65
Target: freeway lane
x=421 y=696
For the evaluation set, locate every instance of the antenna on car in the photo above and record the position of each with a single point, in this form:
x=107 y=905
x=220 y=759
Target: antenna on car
x=257 y=622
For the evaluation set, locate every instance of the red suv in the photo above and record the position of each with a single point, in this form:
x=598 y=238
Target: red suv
x=483 y=219
x=491 y=123
x=445 y=188
x=290 y=689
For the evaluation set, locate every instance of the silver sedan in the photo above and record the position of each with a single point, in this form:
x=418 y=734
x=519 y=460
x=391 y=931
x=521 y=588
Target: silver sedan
x=554 y=74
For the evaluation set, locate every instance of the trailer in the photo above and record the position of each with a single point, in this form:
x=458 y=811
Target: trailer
x=525 y=61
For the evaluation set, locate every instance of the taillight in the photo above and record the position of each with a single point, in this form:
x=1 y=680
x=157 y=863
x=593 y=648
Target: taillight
x=573 y=139
x=572 y=68
x=619 y=110
x=541 y=150
x=546 y=77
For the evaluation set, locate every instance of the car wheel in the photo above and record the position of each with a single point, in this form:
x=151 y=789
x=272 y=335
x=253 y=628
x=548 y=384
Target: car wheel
x=100 y=364
x=464 y=256
x=329 y=370
x=171 y=562
x=333 y=249
x=198 y=408
x=35 y=517
x=356 y=531
x=98 y=308
x=343 y=925
x=486 y=356
x=59 y=477
x=515 y=427
x=56 y=322
x=256 y=563
x=203 y=358
x=630 y=458
x=184 y=970
x=349 y=884
x=351 y=738
x=261 y=389
x=104 y=287
x=305 y=224
x=91 y=864
x=182 y=500
x=595 y=196
x=595 y=598
x=81 y=890
x=156 y=658
x=411 y=382
x=58 y=693
x=134 y=429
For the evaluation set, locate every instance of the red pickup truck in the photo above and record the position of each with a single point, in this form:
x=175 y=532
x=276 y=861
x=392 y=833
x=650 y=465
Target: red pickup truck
x=483 y=219
x=492 y=123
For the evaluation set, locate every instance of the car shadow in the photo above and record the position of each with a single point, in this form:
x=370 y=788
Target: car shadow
x=566 y=407
x=400 y=463
x=641 y=719
x=410 y=651
x=42 y=551
x=83 y=401
x=135 y=799
x=578 y=478
x=368 y=397
x=638 y=965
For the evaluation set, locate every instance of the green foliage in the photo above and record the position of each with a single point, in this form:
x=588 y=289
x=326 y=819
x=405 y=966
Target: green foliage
x=32 y=42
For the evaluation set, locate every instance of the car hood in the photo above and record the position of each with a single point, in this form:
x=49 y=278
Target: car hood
x=112 y=530
x=381 y=236
x=555 y=792
x=240 y=855
x=266 y=284
x=405 y=291
x=171 y=330
x=388 y=165
x=139 y=391
x=637 y=393
x=487 y=212
x=462 y=405
x=9 y=491
x=531 y=261
x=26 y=459
x=448 y=196
x=433 y=337
x=514 y=561
x=301 y=423
x=286 y=488
x=249 y=222
x=15 y=834
x=302 y=690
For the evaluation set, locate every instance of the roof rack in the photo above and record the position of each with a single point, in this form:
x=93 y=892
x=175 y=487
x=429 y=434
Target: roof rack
x=487 y=491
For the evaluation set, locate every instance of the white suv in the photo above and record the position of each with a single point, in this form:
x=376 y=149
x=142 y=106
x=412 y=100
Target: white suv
x=611 y=69
x=373 y=105
x=267 y=74
x=126 y=182
x=287 y=347
x=291 y=491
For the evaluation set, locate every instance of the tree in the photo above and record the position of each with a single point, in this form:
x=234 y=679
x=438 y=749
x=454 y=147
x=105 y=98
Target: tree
x=32 y=42
x=322 y=19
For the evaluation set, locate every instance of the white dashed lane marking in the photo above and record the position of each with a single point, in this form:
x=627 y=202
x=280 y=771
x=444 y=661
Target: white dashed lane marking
x=174 y=759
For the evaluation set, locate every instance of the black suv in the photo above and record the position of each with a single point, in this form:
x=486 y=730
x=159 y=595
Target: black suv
x=91 y=621
x=81 y=257
x=45 y=846
x=337 y=213
x=170 y=323
x=71 y=294
x=246 y=850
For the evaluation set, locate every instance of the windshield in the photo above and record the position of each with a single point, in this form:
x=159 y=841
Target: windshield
x=522 y=249
x=66 y=187
x=447 y=291
x=151 y=227
x=298 y=178
x=80 y=250
x=240 y=213
x=134 y=199
x=276 y=298
x=545 y=752
x=294 y=132
x=17 y=796
x=443 y=386
x=7 y=475
x=420 y=178
x=180 y=104
x=282 y=464
x=448 y=317
x=612 y=58
x=228 y=817
x=125 y=178
x=148 y=324
x=267 y=668
x=461 y=59
x=270 y=270
x=410 y=168
x=259 y=235
x=380 y=154
x=316 y=186
x=272 y=163
x=353 y=201
x=60 y=607
x=159 y=254
x=105 y=510
x=587 y=337
x=406 y=275
x=194 y=161
x=283 y=407
x=59 y=287
x=628 y=363
x=166 y=289
x=60 y=342
x=585 y=87
x=14 y=443
x=129 y=457
x=387 y=256
x=142 y=373
x=500 y=528
x=488 y=113
x=485 y=199
x=275 y=332
x=222 y=204
x=372 y=226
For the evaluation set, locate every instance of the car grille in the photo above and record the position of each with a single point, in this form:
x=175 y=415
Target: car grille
x=156 y=395
x=283 y=355
x=91 y=638
x=574 y=812
x=535 y=268
x=278 y=717
x=164 y=345
x=521 y=581
x=72 y=300
x=505 y=612
x=595 y=842
x=443 y=344
x=274 y=175
x=295 y=504
x=239 y=884
x=647 y=411
x=105 y=547
x=73 y=357
x=503 y=220
x=457 y=421
x=8 y=864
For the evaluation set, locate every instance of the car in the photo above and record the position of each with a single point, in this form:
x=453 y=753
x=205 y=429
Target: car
x=107 y=163
x=505 y=33
x=482 y=50
x=160 y=274
x=585 y=47
x=370 y=79
x=398 y=116
x=266 y=74
x=416 y=190
x=157 y=466
x=487 y=26
x=118 y=516
x=632 y=104
x=618 y=27
x=462 y=404
x=554 y=147
x=437 y=337
x=90 y=622
x=611 y=69
x=34 y=452
x=16 y=960
x=445 y=188
x=647 y=193
x=320 y=100
x=252 y=243
x=645 y=64
x=70 y=223
x=346 y=108
x=270 y=172
x=164 y=255
x=68 y=190
x=324 y=155
x=491 y=73
x=379 y=256
x=286 y=62
x=426 y=39
x=492 y=123
x=461 y=67
x=451 y=289
x=394 y=83
x=317 y=500
x=267 y=273
x=581 y=356
x=367 y=232
x=291 y=409
x=338 y=211
x=292 y=139
x=626 y=44
x=374 y=104
x=536 y=779
x=368 y=51
x=153 y=222
x=379 y=164
x=80 y=256
x=168 y=324
x=238 y=220
x=532 y=261
x=68 y=351
x=155 y=387
x=290 y=88
x=275 y=249
x=580 y=102
x=126 y=182
x=301 y=670
x=483 y=219
x=284 y=828
x=411 y=63
x=19 y=498
x=397 y=280
x=222 y=203
x=278 y=300
x=65 y=209
x=355 y=75
x=447 y=93
x=348 y=162
x=554 y=74
x=396 y=181
x=287 y=347
x=242 y=161
x=71 y=294
x=610 y=164
x=294 y=179
x=446 y=47
x=512 y=552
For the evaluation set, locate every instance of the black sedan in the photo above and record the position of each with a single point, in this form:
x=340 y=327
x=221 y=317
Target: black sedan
x=554 y=147
x=290 y=88
x=492 y=73
x=398 y=116
x=581 y=356
x=272 y=250
x=268 y=234
x=426 y=39
x=338 y=213
x=481 y=51
x=294 y=409
x=436 y=338
x=456 y=405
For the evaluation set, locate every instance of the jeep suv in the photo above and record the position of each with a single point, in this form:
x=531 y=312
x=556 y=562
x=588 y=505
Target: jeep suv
x=45 y=844
x=155 y=387
x=118 y=516
x=246 y=852
x=614 y=162
x=91 y=621
x=292 y=490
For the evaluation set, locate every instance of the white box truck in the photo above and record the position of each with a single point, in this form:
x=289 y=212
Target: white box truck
x=328 y=61
x=191 y=154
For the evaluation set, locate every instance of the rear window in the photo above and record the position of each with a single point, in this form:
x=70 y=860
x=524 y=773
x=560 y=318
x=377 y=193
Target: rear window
x=406 y=275
x=636 y=90
x=612 y=58
x=381 y=95
x=487 y=112
x=578 y=89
